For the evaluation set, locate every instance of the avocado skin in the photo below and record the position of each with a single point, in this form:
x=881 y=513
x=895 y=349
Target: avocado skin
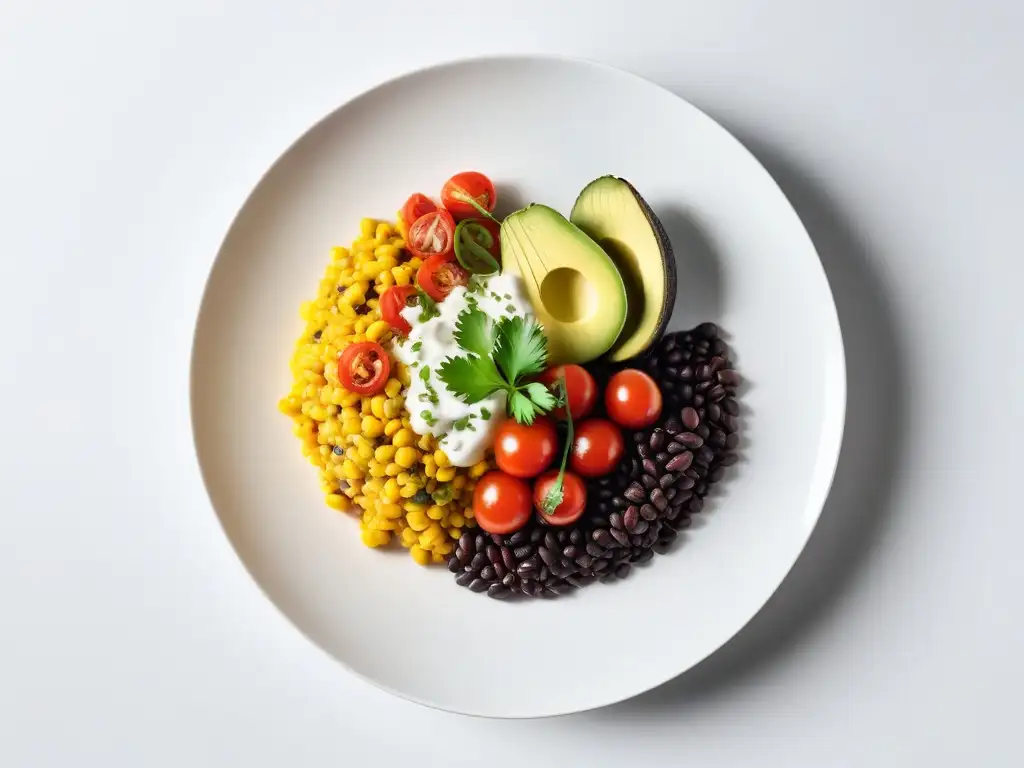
x=666 y=264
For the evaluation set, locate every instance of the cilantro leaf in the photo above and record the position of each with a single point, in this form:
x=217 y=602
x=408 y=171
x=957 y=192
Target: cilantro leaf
x=541 y=396
x=520 y=347
x=471 y=379
x=474 y=332
x=427 y=305
x=521 y=408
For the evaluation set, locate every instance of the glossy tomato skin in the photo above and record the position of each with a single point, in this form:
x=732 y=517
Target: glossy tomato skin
x=501 y=503
x=597 y=448
x=574 y=498
x=439 y=274
x=431 y=234
x=395 y=299
x=471 y=183
x=364 y=368
x=579 y=385
x=632 y=399
x=525 y=451
x=417 y=205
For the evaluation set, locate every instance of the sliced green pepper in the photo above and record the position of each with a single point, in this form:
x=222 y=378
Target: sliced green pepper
x=473 y=242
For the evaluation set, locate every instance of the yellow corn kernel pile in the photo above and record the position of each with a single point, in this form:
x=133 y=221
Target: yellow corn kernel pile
x=369 y=458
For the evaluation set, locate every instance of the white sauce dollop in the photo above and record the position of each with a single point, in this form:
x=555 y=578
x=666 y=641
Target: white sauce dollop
x=427 y=346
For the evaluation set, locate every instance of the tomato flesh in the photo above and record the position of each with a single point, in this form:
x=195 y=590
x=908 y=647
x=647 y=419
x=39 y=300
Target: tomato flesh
x=597 y=448
x=439 y=275
x=525 y=450
x=364 y=368
x=574 y=498
x=431 y=234
x=579 y=386
x=464 y=186
x=632 y=399
x=417 y=205
x=501 y=503
x=395 y=299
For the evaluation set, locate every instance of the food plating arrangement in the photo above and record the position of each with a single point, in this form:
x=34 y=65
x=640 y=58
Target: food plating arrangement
x=502 y=396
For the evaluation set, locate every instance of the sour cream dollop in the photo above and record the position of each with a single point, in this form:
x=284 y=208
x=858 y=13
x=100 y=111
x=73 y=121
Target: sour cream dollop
x=433 y=408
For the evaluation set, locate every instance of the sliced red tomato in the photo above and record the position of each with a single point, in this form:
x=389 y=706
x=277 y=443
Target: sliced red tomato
x=439 y=274
x=417 y=205
x=395 y=299
x=432 y=234
x=579 y=386
x=632 y=399
x=597 y=448
x=501 y=503
x=574 y=498
x=364 y=368
x=525 y=450
x=466 y=186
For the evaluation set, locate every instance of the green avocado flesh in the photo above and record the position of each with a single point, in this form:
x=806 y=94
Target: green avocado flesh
x=615 y=216
x=576 y=291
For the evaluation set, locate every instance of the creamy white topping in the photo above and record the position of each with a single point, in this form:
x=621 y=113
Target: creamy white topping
x=433 y=408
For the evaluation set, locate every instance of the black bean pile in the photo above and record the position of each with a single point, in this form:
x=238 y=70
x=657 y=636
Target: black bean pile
x=638 y=510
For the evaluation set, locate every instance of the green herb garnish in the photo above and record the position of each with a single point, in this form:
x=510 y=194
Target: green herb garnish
x=555 y=494
x=503 y=355
x=417 y=346
x=510 y=309
x=428 y=417
x=485 y=413
x=425 y=373
x=427 y=305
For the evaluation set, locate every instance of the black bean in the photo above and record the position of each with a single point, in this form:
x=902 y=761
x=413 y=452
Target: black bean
x=479 y=561
x=648 y=512
x=680 y=462
x=498 y=591
x=523 y=552
x=510 y=580
x=576 y=536
x=551 y=541
x=584 y=561
x=704 y=431
x=716 y=393
x=641 y=527
x=621 y=503
x=462 y=555
x=544 y=574
x=601 y=566
x=658 y=499
x=602 y=537
x=730 y=423
x=716 y=474
x=686 y=373
x=698 y=400
x=705 y=455
x=519 y=537
x=479 y=543
x=454 y=565
x=690 y=440
x=615 y=520
x=671 y=372
x=696 y=505
x=635 y=493
x=649 y=467
x=704 y=374
x=644 y=451
x=570 y=551
x=631 y=517
x=673 y=425
x=728 y=459
x=620 y=536
x=666 y=480
x=498 y=538
x=644 y=556
x=466 y=542
x=700 y=489
x=464 y=578
x=649 y=482
x=730 y=406
x=657 y=440
x=594 y=549
x=536 y=535
x=690 y=418
x=731 y=441
x=499 y=570
x=707 y=330
x=547 y=555
x=714 y=412
x=623 y=570
x=493 y=553
x=729 y=377
x=663 y=457
x=487 y=572
x=508 y=558
x=685 y=482
x=676 y=448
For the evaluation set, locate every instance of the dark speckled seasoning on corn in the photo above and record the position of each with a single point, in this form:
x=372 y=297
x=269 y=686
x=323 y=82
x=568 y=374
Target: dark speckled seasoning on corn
x=638 y=510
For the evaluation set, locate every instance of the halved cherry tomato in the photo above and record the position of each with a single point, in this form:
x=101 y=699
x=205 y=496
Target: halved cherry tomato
x=525 y=450
x=597 y=448
x=579 y=386
x=501 y=503
x=632 y=399
x=417 y=205
x=439 y=274
x=431 y=234
x=477 y=245
x=395 y=299
x=574 y=498
x=465 y=186
x=364 y=368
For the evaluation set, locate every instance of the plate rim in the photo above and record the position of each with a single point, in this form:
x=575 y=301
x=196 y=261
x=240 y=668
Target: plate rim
x=820 y=490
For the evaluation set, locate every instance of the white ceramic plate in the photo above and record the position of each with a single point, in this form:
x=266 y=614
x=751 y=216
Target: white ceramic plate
x=542 y=128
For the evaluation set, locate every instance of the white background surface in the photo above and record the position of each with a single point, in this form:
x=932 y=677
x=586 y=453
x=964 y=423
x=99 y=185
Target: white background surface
x=131 y=131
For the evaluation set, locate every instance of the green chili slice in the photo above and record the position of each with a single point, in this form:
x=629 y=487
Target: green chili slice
x=472 y=243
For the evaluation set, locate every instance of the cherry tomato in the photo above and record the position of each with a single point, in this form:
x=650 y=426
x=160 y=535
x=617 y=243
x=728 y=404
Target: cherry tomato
x=597 y=448
x=579 y=386
x=395 y=299
x=632 y=399
x=439 y=274
x=364 y=367
x=574 y=498
x=431 y=234
x=525 y=451
x=417 y=205
x=463 y=186
x=501 y=503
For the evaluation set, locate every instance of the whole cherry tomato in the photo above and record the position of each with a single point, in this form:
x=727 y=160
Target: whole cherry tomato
x=525 y=451
x=579 y=386
x=465 y=186
x=597 y=448
x=364 y=368
x=632 y=399
x=574 y=498
x=501 y=503
x=431 y=234
x=395 y=299
x=439 y=274
x=417 y=205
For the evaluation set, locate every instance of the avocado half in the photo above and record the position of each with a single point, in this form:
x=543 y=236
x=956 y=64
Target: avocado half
x=577 y=292
x=615 y=216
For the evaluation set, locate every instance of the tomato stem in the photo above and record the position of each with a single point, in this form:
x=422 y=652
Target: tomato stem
x=463 y=196
x=555 y=496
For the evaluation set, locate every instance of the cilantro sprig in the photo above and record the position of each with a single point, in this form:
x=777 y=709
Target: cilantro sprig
x=555 y=494
x=501 y=357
